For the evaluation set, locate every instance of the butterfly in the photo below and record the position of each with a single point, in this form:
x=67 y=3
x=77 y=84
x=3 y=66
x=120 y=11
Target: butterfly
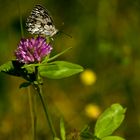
x=40 y=22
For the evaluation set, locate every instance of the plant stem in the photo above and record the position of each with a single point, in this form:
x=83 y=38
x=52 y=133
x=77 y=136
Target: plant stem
x=20 y=19
x=32 y=112
x=45 y=107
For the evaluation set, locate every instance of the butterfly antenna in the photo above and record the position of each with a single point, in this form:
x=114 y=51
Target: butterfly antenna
x=65 y=34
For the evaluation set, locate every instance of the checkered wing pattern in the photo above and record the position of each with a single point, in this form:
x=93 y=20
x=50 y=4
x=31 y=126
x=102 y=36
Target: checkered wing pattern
x=40 y=22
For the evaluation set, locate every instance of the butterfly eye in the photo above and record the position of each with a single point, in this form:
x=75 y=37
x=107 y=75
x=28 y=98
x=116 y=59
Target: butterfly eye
x=49 y=23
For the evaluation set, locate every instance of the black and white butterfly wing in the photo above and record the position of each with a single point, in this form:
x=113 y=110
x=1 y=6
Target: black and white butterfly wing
x=40 y=22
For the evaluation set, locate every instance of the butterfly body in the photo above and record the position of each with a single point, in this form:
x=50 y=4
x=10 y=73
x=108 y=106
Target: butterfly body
x=40 y=22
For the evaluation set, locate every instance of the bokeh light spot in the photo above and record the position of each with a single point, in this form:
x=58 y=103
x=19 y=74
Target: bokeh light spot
x=88 y=77
x=92 y=111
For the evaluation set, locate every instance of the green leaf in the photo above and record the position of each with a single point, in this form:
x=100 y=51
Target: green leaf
x=11 y=68
x=62 y=129
x=6 y=67
x=85 y=133
x=59 y=69
x=14 y=68
x=112 y=138
x=109 y=120
x=25 y=84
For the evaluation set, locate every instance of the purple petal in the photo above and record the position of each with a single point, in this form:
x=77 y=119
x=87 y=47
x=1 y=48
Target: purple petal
x=32 y=50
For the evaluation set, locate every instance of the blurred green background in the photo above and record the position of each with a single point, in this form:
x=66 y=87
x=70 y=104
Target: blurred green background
x=105 y=41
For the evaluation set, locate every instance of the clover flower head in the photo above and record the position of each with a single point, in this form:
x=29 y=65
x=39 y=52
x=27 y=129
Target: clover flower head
x=32 y=50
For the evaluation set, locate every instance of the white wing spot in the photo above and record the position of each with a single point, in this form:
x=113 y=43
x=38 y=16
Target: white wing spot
x=40 y=22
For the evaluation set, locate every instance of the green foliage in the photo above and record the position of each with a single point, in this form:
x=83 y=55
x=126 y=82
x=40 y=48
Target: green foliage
x=6 y=67
x=59 y=69
x=109 y=121
x=14 y=68
x=52 y=70
x=113 y=138
x=106 y=124
x=62 y=129
x=85 y=133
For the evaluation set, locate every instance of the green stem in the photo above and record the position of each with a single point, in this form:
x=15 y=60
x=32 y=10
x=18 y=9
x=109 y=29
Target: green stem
x=45 y=107
x=32 y=112
x=20 y=19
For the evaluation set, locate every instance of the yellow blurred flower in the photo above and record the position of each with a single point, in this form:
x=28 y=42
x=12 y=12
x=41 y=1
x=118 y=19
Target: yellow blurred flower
x=92 y=111
x=88 y=77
